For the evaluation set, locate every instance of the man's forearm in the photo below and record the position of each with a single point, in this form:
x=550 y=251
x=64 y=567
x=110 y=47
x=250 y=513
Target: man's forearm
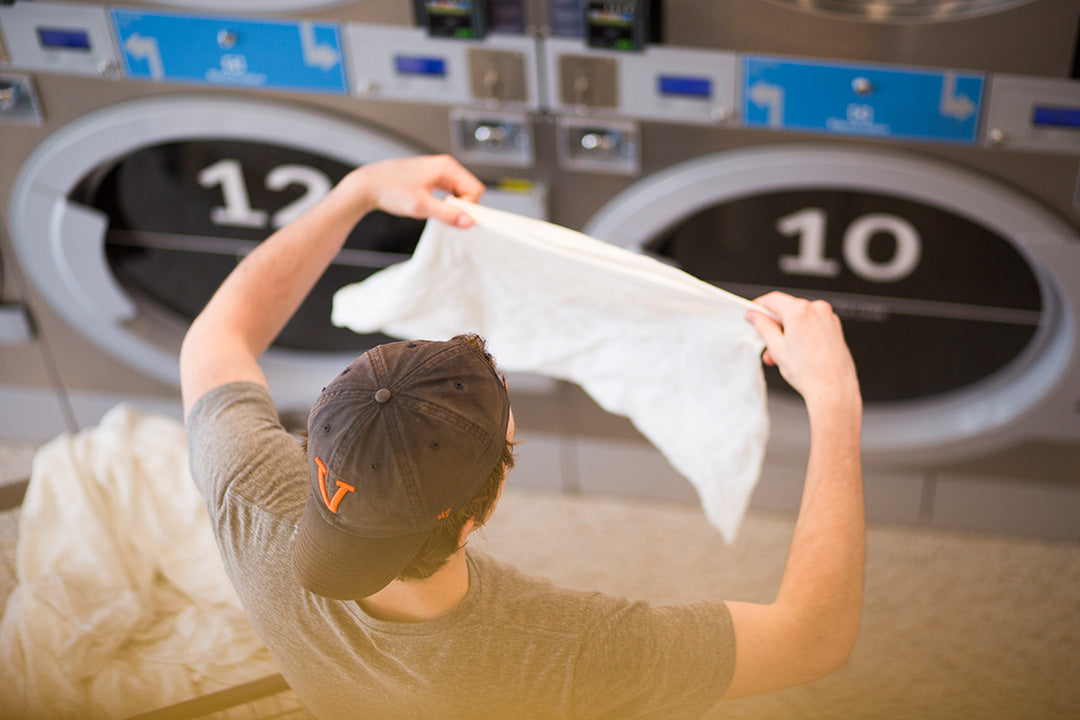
x=268 y=286
x=823 y=579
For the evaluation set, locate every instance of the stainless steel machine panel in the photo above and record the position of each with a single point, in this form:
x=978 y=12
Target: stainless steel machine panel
x=55 y=37
x=126 y=200
x=1038 y=114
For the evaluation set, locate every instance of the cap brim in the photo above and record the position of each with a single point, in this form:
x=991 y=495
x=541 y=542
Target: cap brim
x=337 y=565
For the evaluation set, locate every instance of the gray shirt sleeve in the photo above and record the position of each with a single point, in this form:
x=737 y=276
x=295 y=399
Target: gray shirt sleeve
x=252 y=474
x=654 y=662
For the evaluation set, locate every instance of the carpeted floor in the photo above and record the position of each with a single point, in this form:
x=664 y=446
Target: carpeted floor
x=955 y=626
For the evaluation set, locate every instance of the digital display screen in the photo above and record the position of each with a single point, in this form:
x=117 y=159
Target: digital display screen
x=426 y=66
x=451 y=18
x=63 y=38
x=613 y=25
x=692 y=87
x=1049 y=116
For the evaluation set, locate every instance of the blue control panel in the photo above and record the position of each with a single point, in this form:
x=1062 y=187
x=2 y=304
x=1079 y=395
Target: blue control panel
x=782 y=93
x=274 y=54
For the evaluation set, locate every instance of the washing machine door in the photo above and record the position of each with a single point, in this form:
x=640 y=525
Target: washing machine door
x=955 y=315
x=908 y=10
x=128 y=219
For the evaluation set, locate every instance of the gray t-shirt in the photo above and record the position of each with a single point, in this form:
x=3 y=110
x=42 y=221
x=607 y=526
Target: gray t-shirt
x=515 y=647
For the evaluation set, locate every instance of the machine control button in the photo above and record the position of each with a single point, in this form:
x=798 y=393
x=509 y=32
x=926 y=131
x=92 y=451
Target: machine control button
x=226 y=39
x=492 y=138
x=586 y=81
x=18 y=100
x=862 y=86
x=9 y=96
x=592 y=145
x=602 y=142
x=493 y=135
x=497 y=75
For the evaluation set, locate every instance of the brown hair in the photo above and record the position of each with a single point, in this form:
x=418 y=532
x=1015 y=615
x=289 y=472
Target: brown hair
x=445 y=540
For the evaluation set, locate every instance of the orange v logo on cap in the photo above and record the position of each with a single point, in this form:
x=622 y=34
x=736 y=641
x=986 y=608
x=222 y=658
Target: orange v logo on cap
x=342 y=488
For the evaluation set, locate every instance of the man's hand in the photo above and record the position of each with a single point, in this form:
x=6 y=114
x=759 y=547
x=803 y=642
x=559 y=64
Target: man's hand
x=808 y=347
x=406 y=186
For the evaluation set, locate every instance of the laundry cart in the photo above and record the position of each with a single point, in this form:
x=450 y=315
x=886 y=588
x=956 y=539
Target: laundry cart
x=266 y=698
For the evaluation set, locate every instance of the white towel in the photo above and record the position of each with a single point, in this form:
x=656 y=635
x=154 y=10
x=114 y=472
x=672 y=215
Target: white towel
x=645 y=340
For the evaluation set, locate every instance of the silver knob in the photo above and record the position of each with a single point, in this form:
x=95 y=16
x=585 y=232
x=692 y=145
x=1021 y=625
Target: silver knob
x=226 y=39
x=862 y=86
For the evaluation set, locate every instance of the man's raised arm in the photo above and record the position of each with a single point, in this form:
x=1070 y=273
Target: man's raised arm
x=259 y=297
x=810 y=630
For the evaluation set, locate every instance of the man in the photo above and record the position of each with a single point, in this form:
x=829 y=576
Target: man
x=348 y=554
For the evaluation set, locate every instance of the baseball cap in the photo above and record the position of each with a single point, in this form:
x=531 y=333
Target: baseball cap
x=403 y=437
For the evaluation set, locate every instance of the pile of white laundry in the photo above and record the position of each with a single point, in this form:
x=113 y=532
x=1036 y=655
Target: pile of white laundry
x=122 y=604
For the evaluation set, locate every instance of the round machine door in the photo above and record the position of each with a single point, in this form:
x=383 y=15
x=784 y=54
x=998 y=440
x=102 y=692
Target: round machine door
x=909 y=10
x=128 y=219
x=957 y=322
x=249 y=5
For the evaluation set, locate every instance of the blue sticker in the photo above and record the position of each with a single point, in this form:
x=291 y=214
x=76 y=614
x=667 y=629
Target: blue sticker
x=273 y=54
x=909 y=103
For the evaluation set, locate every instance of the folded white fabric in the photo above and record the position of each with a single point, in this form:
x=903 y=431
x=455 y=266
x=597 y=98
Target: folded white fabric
x=645 y=340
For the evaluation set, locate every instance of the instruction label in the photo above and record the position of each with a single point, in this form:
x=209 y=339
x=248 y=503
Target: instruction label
x=273 y=54
x=940 y=105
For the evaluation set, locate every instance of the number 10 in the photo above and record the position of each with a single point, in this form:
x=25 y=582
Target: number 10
x=809 y=225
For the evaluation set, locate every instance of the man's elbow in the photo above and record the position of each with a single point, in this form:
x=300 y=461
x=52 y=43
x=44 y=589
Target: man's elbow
x=831 y=647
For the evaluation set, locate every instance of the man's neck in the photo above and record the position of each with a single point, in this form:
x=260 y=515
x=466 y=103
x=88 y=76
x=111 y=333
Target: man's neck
x=421 y=600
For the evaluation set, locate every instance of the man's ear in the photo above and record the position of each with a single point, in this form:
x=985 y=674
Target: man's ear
x=466 y=529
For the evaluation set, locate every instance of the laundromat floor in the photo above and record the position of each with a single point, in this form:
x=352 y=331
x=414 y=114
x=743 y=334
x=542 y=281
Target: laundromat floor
x=954 y=624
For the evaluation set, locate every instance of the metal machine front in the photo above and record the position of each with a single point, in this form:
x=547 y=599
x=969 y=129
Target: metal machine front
x=914 y=163
x=146 y=149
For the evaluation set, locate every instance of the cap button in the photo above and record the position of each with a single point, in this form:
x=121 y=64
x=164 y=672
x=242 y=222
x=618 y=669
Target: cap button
x=382 y=395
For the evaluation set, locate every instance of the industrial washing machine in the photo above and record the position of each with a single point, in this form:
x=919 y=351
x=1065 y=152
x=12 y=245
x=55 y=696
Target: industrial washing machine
x=914 y=163
x=147 y=147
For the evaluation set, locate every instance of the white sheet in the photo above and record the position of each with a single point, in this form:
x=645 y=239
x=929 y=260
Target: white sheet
x=122 y=603
x=645 y=340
